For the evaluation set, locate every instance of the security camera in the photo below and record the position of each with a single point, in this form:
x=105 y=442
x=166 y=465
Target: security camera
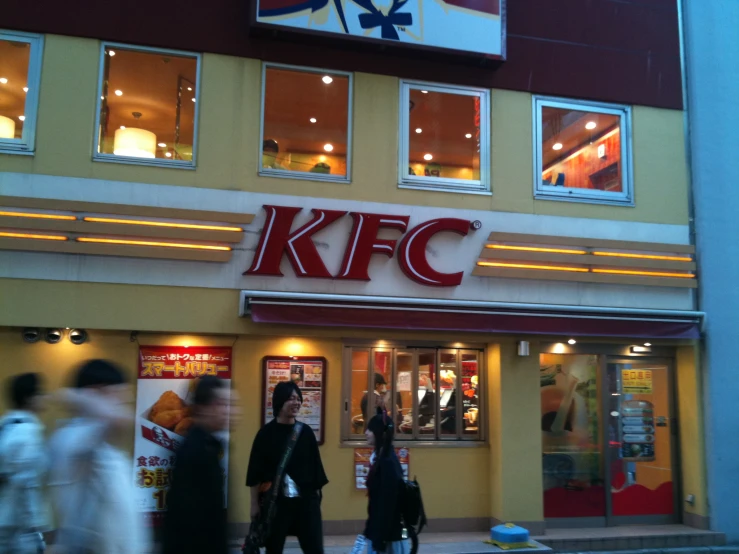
x=53 y=336
x=31 y=335
x=78 y=336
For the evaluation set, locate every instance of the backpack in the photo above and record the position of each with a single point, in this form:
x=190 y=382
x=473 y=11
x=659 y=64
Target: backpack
x=412 y=511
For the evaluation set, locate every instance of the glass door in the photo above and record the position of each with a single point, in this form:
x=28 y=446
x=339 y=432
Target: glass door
x=640 y=443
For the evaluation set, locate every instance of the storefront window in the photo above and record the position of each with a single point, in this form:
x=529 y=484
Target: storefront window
x=148 y=106
x=419 y=388
x=583 y=151
x=20 y=67
x=306 y=117
x=444 y=137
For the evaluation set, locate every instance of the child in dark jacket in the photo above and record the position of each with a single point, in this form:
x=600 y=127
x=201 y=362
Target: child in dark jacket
x=384 y=529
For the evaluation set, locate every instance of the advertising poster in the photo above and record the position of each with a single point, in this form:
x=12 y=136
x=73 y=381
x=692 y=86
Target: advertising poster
x=637 y=431
x=362 y=465
x=636 y=381
x=306 y=372
x=167 y=376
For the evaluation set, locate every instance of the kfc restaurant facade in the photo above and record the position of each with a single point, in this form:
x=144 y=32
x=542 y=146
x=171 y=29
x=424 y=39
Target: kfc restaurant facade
x=349 y=195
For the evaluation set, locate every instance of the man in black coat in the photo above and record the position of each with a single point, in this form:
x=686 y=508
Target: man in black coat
x=196 y=521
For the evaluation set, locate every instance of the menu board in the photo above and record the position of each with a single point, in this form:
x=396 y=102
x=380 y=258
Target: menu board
x=637 y=431
x=309 y=373
x=636 y=381
x=167 y=377
x=362 y=457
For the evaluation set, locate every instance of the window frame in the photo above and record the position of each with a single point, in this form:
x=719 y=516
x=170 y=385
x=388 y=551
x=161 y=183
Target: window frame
x=155 y=162
x=587 y=196
x=416 y=438
x=27 y=143
x=306 y=176
x=445 y=184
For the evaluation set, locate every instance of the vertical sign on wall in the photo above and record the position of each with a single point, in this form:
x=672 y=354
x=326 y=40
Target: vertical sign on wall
x=166 y=381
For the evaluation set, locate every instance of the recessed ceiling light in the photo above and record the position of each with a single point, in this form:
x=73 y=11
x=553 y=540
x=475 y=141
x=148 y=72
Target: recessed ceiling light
x=313 y=120
x=168 y=154
x=111 y=52
x=328 y=80
x=590 y=125
x=557 y=146
x=419 y=130
x=119 y=93
x=428 y=157
x=22 y=117
x=328 y=147
x=647 y=344
x=572 y=341
x=193 y=100
x=25 y=89
x=424 y=92
x=3 y=80
x=468 y=135
x=123 y=126
x=102 y=98
x=189 y=88
x=162 y=145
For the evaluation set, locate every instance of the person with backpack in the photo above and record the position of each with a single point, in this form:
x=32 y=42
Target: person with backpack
x=23 y=465
x=91 y=478
x=385 y=484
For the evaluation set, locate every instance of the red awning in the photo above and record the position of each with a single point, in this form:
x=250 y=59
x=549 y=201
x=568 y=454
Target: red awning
x=432 y=317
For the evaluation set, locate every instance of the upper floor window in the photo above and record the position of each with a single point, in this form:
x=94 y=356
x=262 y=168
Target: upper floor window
x=433 y=394
x=306 y=123
x=444 y=138
x=148 y=106
x=583 y=151
x=20 y=71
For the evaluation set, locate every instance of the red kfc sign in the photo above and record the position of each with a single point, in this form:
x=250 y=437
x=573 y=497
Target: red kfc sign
x=278 y=239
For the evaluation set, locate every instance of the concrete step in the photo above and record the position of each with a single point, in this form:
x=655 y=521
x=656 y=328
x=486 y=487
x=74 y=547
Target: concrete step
x=696 y=542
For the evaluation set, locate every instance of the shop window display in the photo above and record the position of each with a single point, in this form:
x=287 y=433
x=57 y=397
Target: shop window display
x=583 y=151
x=444 y=137
x=148 y=106
x=20 y=66
x=432 y=394
x=306 y=117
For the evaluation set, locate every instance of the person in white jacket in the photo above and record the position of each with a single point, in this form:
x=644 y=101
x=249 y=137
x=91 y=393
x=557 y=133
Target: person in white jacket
x=92 y=479
x=23 y=465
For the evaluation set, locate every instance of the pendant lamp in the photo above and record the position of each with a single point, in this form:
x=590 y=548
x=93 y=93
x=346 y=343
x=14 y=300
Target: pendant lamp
x=134 y=142
x=7 y=127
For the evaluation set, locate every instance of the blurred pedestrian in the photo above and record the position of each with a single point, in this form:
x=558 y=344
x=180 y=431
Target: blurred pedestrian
x=286 y=477
x=23 y=465
x=91 y=479
x=196 y=521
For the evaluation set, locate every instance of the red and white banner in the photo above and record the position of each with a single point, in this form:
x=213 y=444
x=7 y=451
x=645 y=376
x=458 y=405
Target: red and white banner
x=167 y=376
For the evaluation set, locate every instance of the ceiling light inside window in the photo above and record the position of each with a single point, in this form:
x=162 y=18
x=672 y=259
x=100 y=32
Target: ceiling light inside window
x=22 y=117
x=328 y=147
x=419 y=130
x=123 y=126
x=25 y=89
x=468 y=135
x=111 y=53
x=424 y=92
x=557 y=146
x=428 y=157
x=193 y=100
x=313 y=120
x=102 y=98
x=3 y=80
x=572 y=341
x=590 y=125
x=328 y=80
x=119 y=93
x=189 y=88
x=162 y=145
x=168 y=154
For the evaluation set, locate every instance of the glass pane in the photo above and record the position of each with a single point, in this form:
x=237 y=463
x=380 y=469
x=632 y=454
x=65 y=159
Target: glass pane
x=640 y=450
x=581 y=150
x=448 y=392
x=404 y=393
x=14 y=62
x=470 y=394
x=148 y=105
x=380 y=398
x=427 y=394
x=444 y=134
x=573 y=462
x=359 y=379
x=306 y=121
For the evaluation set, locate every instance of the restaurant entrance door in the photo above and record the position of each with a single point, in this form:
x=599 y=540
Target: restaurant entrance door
x=608 y=437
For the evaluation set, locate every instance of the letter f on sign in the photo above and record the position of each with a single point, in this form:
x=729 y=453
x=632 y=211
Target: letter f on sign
x=277 y=239
x=363 y=242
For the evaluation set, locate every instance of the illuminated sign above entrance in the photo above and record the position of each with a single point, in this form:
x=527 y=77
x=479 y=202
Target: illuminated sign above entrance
x=277 y=238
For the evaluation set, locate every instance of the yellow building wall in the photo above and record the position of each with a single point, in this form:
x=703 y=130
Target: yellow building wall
x=229 y=146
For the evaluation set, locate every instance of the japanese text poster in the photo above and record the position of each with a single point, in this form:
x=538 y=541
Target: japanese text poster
x=310 y=376
x=166 y=382
x=362 y=464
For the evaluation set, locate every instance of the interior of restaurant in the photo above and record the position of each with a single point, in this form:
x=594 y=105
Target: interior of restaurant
x=15 y=58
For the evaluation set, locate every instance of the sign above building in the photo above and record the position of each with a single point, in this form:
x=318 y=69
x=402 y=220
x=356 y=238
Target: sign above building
x=465 y=26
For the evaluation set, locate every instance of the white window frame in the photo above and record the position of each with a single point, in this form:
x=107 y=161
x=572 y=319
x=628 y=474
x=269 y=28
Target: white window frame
x=27 y=143
x=306 y=176
x=440 y=183
x=564 y=194
x=156 y=162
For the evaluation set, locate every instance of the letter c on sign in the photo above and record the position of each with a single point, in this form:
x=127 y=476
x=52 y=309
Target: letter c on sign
x=412 y=252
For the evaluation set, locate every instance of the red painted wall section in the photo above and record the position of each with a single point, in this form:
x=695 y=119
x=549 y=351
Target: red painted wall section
x=611 y=50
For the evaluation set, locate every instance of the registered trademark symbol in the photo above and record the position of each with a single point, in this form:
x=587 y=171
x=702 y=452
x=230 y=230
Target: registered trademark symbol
x=477 y=224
